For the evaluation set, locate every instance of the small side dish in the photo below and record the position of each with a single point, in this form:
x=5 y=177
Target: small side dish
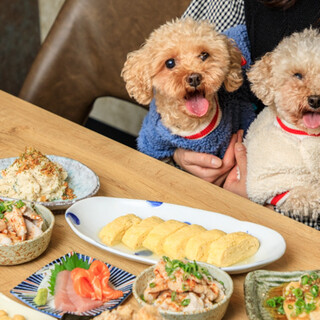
x=296 y=299
x=182 y=289
x=273 y=295
x=25 y=231
x=34 y=177
x=182 y=286
x=18 y=222
x=76 y=284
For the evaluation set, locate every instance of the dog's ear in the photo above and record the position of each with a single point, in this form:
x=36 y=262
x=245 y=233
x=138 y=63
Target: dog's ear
x=137 y=75
x=234 y=77
x=260 y=76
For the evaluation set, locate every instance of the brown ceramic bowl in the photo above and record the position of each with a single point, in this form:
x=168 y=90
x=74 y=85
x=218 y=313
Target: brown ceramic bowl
x=28 y=250
x=216 y=312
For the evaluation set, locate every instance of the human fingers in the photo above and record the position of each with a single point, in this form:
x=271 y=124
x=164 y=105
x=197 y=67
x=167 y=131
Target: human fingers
x=186 y=158
x=241 y=159
x=221 y=179
x=229 y=156
x=240 y=135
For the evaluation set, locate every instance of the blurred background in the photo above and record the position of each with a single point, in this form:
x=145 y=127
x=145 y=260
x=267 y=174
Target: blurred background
x=24 y=26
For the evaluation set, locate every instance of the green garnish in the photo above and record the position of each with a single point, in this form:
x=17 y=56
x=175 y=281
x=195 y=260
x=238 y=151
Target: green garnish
x=7 y=206
x=305 y=280
x=19 y=204
x=309 y=292
x=314 y=290
x=276 y=302
x=188 y=267
x=173 y=295
x=71 y=262
x=309 y=307
x=184 y=287
x=142 y=298
x=185 y=302
x=152 y=284
x=297 y=292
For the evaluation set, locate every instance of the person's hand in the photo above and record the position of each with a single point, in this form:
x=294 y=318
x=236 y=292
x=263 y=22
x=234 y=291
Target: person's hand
x=236 y=180
x=207 y=166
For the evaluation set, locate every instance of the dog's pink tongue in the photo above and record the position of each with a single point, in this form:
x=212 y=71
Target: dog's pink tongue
x=197 y=105
x=311 y=120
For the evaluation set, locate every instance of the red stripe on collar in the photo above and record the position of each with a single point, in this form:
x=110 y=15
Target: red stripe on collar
x=295 y=131
x=207 y=129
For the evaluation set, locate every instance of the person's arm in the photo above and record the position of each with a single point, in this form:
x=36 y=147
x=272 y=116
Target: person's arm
x=207 y=166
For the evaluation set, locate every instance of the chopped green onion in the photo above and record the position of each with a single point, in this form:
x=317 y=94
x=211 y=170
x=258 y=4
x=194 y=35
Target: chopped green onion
x=297 y=292
x=19 y=204
x=305 y=280
x=271 y=303
x=185 y=302
x=314 y=290
x=198 y=275
x=152 y=284
x=276 y=302
x=310 y=307
x=300 y=303
x=314 y=276
x=173 y=295
x=281 y=310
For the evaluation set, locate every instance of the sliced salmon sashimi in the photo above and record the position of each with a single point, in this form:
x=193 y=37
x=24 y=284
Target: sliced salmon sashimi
x=94 y=282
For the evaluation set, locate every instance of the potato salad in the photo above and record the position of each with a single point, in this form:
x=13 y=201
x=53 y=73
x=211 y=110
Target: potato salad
x=34 y=177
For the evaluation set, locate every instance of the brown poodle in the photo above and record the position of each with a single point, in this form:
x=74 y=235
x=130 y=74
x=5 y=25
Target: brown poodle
x=283 y=143
x=188 y=69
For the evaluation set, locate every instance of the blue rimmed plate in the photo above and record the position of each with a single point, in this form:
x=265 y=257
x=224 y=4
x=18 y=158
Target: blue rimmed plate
x=27 y=289
x=81 y=179
x=88 y=216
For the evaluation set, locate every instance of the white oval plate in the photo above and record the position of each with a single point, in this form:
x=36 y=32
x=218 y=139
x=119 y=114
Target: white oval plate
x=88 y=216
x=83 y=181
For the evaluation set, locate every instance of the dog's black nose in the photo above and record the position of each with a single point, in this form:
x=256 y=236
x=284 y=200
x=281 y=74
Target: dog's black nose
x=194 y=79
x=314 y=101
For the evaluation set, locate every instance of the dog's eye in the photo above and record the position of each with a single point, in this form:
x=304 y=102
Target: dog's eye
x=204 y=55
x=170 y=63
x=298 y=75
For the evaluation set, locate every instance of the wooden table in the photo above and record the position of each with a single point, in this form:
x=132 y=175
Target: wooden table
x=126 y=173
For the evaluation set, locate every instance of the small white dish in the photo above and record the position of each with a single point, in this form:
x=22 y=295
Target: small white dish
x=82 y=180
x=13 y=308
x=88 y=216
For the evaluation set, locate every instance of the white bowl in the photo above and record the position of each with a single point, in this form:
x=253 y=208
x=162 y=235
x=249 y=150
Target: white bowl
x=30 y=249
x=216 y=312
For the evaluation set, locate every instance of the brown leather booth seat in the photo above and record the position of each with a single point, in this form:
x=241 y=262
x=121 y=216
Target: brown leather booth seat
x=82 y=57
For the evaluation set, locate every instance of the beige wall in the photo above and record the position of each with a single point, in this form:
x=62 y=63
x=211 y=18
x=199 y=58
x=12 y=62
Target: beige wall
x=122 y=115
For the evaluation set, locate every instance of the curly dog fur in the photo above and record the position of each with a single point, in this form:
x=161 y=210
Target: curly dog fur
x=283 y=143
x=182 y=66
